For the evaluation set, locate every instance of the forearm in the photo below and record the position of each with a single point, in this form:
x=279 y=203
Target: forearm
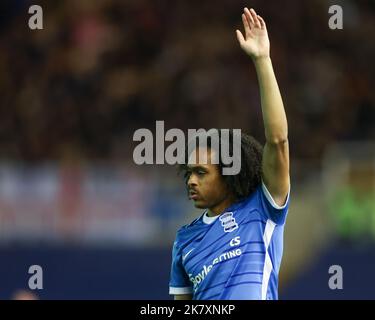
x=274 y=117
x=183 y=297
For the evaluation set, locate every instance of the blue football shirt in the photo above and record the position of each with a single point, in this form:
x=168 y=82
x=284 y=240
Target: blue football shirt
x=235 y=255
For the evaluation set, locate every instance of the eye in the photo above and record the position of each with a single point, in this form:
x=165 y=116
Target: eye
x=201 y=172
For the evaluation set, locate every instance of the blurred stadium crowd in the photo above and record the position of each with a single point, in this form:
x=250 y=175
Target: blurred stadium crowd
x=101 y=69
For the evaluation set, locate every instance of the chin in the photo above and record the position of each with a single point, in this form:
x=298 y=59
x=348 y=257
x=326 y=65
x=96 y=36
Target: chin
x=200 y=205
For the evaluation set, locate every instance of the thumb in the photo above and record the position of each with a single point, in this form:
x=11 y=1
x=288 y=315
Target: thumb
x=240 y=37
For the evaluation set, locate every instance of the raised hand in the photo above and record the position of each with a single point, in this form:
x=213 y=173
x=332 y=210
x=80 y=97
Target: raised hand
x=256 y=42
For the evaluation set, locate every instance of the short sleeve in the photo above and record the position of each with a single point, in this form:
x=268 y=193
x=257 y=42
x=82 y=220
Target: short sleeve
x=272 y=210
x=179 y=281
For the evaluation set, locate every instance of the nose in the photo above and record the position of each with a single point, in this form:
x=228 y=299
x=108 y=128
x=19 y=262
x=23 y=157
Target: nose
x=192 y=181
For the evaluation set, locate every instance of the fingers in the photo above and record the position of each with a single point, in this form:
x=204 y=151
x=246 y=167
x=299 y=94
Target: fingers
x=250 y=21
x=240 y=37
x=246 y=25
x=249 y=16
x=253 y=19
x=262 y=23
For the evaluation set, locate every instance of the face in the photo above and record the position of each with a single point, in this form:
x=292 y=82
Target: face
x=206 y=185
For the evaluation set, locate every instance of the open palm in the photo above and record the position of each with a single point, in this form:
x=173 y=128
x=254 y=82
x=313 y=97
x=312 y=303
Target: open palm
x=255 y=43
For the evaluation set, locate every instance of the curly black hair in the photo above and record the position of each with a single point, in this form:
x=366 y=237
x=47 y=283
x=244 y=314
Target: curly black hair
x=248 y=179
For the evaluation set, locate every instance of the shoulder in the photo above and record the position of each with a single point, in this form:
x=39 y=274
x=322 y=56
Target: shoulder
x=261 y=201
x=252 y=200
x=277 y=213
x=262 y=195
x=186 y=231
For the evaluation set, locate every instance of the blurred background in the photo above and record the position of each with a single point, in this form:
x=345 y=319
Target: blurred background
x=73 y=201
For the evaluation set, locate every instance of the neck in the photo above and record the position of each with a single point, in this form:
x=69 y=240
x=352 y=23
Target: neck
x=220 y=207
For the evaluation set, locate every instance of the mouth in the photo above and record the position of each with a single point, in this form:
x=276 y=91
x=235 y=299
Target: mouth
x=193 y=195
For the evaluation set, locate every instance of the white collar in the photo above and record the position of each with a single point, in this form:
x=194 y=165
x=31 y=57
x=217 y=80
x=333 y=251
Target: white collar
x=209 y=220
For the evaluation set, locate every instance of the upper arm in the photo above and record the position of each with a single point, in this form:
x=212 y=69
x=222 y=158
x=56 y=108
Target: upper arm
x=183 y=297
x=179 y=284
x=275 y=170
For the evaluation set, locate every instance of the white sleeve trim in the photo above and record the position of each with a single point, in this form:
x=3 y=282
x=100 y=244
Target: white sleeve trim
x=271 y=200
x=177 y=290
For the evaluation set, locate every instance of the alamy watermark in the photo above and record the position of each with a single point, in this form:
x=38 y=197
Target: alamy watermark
x=36 y=20
x=336 y=21
x=176 y=153
x=36 y=280
x=336 y=281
